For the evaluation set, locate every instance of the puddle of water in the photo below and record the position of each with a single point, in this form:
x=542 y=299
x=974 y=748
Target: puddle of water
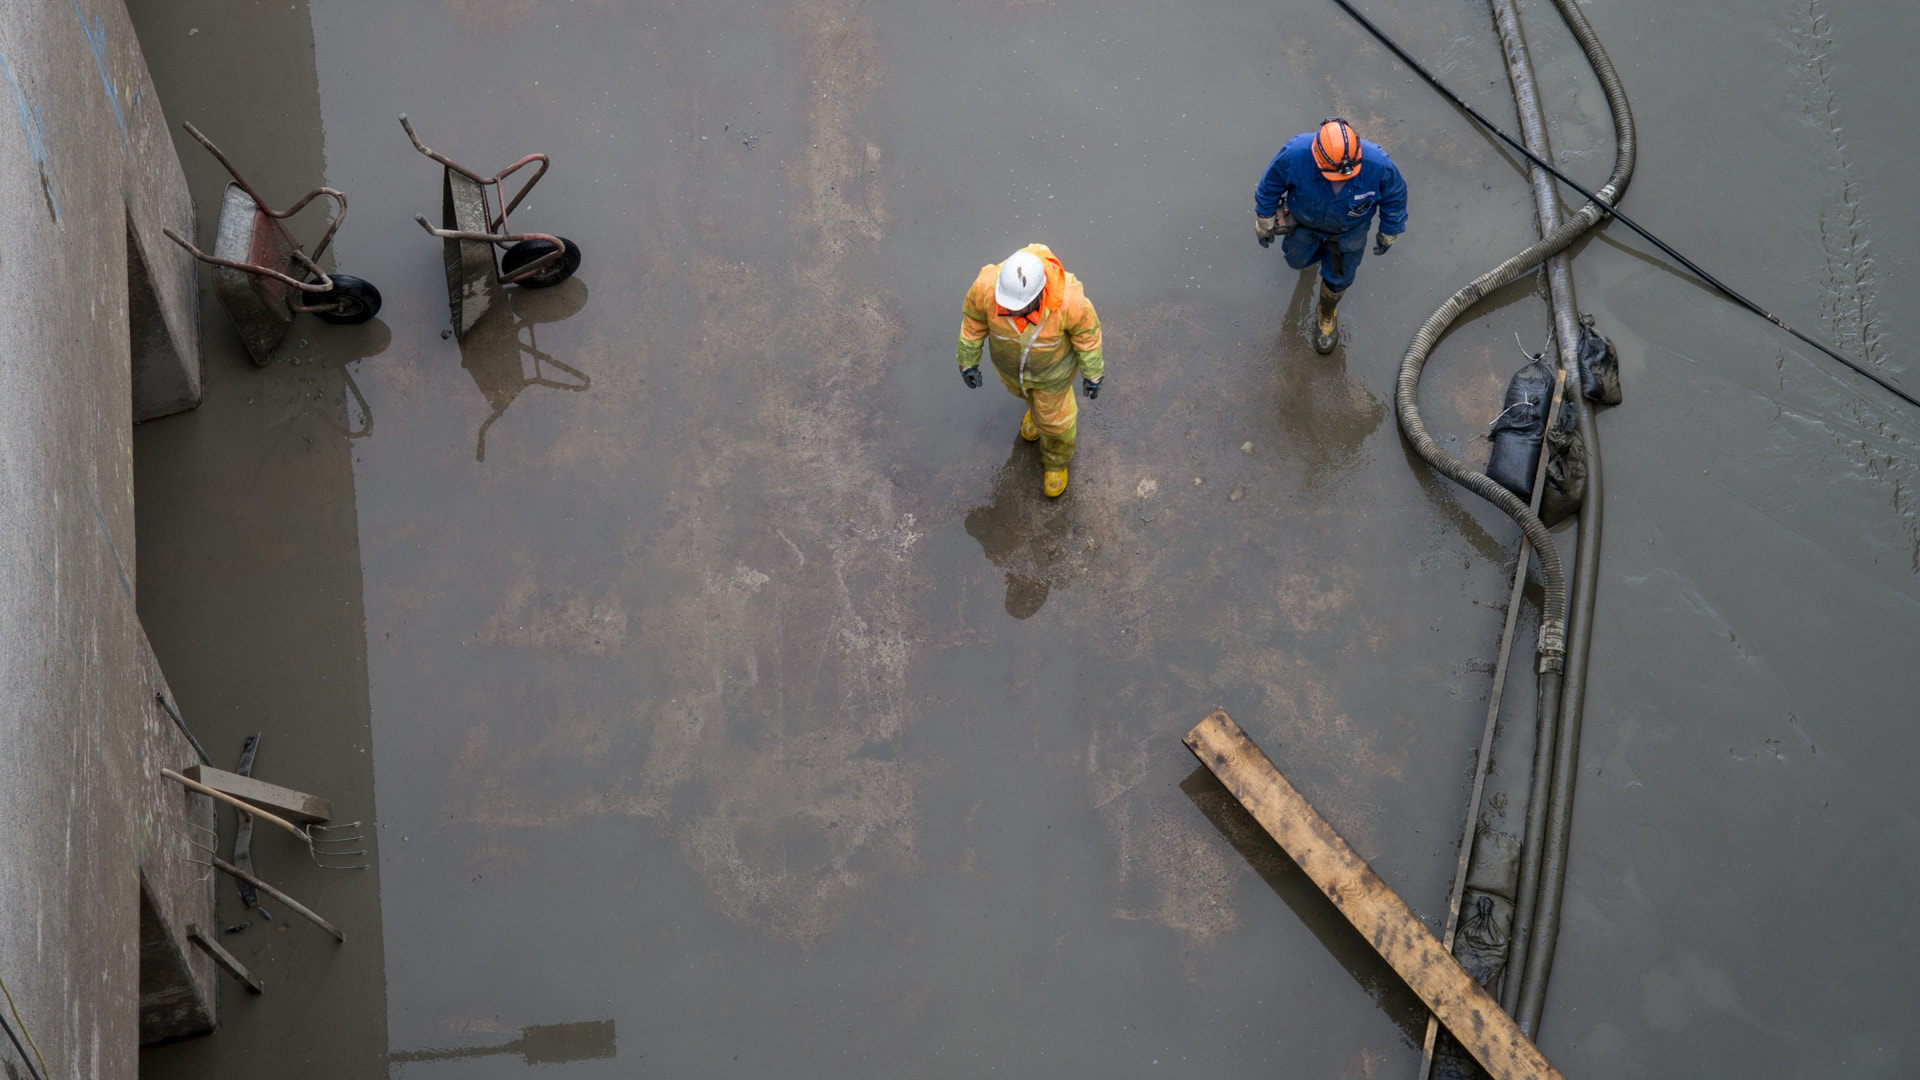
x=543 y=1044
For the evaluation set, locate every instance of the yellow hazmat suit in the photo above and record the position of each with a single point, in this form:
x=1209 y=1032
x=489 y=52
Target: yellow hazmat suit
x=1038 y=355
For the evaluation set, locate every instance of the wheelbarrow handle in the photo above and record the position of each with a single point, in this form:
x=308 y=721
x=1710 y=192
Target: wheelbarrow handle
x=222 y=159
x=465 y=234
x=336 y=196
x=323 y=285
x=507 y=205
x=514 y=203
x=559 y=244
x=333 y=226
x=439 y=157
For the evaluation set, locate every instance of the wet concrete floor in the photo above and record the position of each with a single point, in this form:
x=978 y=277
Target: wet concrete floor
x=729 y=701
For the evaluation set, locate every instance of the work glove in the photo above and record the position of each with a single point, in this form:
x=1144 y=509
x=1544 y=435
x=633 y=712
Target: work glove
x=1383 y=242
x=1274 y=224
x=1091 y=386
x=972 y=377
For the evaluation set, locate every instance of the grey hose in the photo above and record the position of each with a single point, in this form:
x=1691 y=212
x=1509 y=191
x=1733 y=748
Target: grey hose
x=1552 y=646
x=1545 y=929
x=1550 y=705
x=1522 y=995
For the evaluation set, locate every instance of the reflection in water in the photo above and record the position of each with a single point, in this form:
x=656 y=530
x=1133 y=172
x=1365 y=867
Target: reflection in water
x=1325 y=415
x=347 y=344
x=494 y=351
x=542 y=1044
x=1031 y=537
x=1292 y=885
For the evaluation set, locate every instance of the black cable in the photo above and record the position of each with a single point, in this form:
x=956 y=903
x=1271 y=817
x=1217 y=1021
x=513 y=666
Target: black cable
x=1609 y=207
x=182 y=725
x=20 y=1050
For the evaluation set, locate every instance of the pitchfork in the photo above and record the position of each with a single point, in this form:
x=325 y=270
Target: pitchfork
x=319 y=847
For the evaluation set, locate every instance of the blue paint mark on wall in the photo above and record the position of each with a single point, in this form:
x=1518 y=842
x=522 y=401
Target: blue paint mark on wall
x=101 y=520
x=97 y=40
x=30 y=119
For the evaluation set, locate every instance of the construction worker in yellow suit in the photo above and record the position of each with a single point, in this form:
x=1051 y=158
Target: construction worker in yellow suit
x=1035 y=321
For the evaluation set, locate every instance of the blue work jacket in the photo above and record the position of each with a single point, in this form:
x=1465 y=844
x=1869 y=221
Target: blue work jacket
x=1310 y=199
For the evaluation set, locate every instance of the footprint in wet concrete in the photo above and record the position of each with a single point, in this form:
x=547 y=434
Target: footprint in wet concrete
x=1033 y=538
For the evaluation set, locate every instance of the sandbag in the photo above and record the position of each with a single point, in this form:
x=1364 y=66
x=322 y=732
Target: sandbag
x=1599 y=365
x=1519 y=429
x=1566 y=466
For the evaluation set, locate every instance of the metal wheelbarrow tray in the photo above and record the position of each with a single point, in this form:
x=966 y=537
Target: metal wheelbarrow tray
x=470 y=231
x=261 y=274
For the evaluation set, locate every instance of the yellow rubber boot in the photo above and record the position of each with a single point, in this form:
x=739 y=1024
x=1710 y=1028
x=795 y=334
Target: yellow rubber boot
x=1029 y=430
x=1327 y=320
x=1054 y=482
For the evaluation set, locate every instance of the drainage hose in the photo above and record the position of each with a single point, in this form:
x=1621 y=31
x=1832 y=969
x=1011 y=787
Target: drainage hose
x=1540 y=859
x=1531 y=958
x=1607 y=200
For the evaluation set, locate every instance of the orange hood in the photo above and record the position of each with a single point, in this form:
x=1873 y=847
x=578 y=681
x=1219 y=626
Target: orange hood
x=1052 y=296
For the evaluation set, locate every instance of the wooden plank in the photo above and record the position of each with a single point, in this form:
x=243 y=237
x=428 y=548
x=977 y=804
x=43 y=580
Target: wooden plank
x=298 y=806
x=227 y=961
x=1475 y=1019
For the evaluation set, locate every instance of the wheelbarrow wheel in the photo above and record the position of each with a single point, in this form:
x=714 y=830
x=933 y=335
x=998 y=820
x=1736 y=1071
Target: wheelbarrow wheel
x=526 y=251
x=354 y=301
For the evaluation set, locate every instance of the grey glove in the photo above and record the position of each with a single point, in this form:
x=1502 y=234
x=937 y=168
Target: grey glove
x=1382 y=243
x=1091 y=386
x=972 y=377
x=1274 y=224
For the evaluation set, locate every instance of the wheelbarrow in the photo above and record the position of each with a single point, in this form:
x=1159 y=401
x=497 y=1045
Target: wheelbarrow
x=262 y=275
x=470 y=232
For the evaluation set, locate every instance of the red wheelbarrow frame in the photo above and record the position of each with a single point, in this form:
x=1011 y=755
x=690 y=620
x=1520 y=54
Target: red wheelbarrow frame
x=471 y=230
x=260 y=298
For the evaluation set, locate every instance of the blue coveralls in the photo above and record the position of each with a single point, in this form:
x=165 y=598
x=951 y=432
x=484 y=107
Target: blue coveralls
x=1331 y=229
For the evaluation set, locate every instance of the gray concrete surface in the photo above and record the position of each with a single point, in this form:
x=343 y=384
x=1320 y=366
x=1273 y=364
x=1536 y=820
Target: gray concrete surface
x=85 y=163
x=744 y=693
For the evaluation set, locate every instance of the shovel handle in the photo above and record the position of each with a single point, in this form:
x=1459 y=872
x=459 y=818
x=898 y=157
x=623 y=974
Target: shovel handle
x=195 y=785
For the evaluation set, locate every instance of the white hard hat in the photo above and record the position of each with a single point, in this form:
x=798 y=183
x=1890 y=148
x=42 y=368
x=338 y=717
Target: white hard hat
x=1021 y=278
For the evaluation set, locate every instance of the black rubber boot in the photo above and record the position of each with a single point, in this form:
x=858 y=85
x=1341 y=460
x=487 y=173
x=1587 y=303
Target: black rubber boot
x=1326 y=331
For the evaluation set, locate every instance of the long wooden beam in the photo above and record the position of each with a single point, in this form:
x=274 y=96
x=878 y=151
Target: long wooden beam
x=1475 y=1019
x=298 y=806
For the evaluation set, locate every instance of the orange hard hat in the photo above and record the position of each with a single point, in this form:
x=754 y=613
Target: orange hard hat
x=1336 y=150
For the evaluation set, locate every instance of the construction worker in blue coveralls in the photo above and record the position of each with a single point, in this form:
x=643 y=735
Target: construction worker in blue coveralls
x=1320 y=194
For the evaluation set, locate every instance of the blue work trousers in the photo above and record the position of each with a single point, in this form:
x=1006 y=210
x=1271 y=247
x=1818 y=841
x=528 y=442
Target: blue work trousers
x=1338 y=256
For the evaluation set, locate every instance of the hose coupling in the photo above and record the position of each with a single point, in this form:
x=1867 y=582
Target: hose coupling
x=1553 y=646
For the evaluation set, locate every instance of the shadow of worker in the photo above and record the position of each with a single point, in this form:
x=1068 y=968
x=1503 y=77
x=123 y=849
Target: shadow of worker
x=496 y=351
x=1024 y=533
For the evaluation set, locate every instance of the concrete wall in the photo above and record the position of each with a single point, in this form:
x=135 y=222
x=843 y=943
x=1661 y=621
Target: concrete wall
x=88 y=178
